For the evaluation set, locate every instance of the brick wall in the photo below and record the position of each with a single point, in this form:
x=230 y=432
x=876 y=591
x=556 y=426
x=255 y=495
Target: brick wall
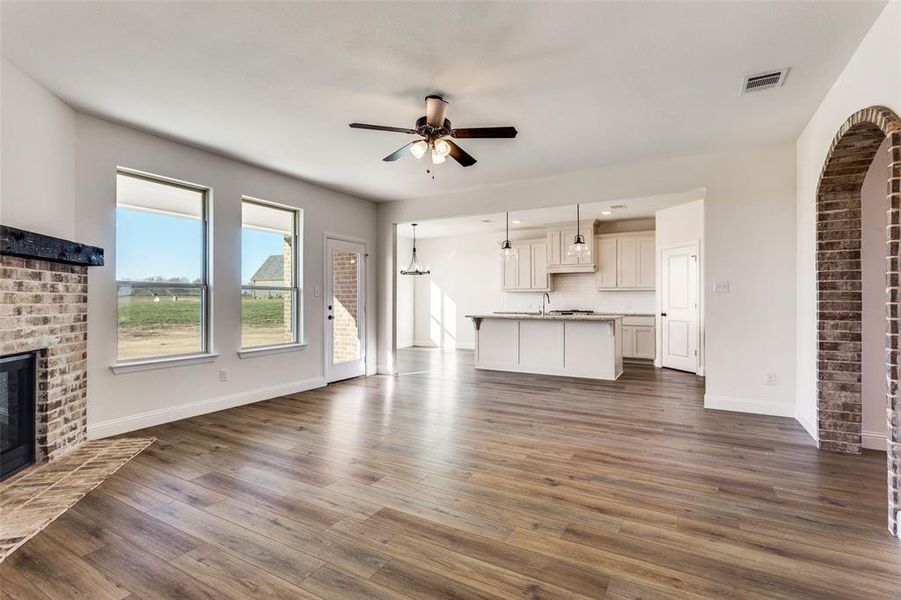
x=346 y=339
x=839 y=296
x=43 y=309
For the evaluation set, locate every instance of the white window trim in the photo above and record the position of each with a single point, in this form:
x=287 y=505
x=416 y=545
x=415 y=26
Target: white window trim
x=206 y=286
x=165 y=362
x=299 y=341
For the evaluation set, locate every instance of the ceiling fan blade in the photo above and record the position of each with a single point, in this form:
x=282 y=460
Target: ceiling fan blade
x=435 y=110
x=382 y=128
x=484 y=132
x=399 y=152
x=460 y=155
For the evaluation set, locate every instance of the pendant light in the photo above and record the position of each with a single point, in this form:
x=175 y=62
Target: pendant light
x=415 y=268
x=578 y=248
x=507 y=249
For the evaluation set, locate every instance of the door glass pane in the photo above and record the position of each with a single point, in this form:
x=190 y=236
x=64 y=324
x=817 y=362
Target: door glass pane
x=159 y=321
x=345 y=295
x=267 y=317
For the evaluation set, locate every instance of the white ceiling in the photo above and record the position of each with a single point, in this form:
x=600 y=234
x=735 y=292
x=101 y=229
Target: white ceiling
x=538 y=218
x=586 y=84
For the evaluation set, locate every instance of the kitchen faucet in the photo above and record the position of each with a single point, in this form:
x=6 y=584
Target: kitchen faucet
x=544 y=297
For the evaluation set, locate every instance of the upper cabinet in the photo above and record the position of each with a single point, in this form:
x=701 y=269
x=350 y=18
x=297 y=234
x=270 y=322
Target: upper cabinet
x=528 y=272
x=626 y=261
x=558 y=240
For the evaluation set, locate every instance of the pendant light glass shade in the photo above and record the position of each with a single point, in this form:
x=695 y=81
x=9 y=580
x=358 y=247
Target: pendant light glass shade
x=414 y=267
x=507 y=250
x=578 y=249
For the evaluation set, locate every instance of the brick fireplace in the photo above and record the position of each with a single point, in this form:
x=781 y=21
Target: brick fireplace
x=43 y=311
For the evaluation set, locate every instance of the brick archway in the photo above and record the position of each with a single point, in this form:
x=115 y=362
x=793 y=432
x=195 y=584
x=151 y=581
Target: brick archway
x=839 y=298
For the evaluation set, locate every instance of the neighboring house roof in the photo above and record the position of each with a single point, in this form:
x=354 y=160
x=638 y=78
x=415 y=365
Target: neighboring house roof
x=272 y=269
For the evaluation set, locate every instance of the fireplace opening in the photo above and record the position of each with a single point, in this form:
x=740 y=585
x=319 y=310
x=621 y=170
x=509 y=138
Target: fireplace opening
x=17 y=408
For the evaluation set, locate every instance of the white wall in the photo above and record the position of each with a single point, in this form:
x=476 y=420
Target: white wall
x=750 y=228
x=872 y=77
x=126 y=401
x=405 y=296
x=873 y=206
x=678 y=225
x=38 y=157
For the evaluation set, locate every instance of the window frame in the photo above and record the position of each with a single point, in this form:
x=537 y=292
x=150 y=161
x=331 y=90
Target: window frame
x=205 y=286
x=296 y=289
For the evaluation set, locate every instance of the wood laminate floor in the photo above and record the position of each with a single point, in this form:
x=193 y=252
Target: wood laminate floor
x=445 y=482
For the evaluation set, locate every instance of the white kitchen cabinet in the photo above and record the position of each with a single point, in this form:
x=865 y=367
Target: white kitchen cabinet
x=626 y=261
x=558 y=241
x=639 y=337
x=528 y=272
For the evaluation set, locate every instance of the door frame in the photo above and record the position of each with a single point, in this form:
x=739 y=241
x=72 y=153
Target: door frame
x=658 y=321
x=326 y=236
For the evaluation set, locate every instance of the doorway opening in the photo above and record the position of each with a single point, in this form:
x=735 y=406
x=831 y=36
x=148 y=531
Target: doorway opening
x=840 y=288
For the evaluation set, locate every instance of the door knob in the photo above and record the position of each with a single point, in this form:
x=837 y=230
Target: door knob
x=662 y=314
x=330 y=317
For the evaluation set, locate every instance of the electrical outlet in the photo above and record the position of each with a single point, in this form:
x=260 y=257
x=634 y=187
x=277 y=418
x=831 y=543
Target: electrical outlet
x=223 y=375
x=770 y=379
x=721 y=287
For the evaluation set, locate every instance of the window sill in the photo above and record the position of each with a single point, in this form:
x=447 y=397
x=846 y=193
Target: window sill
x=264 y=350
x=162 y=363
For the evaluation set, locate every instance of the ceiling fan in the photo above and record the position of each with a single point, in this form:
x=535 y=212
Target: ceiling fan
x=434 y=129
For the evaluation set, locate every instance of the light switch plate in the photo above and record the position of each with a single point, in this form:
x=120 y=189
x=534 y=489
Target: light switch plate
x=721 y=287
x=223 y=375
x=770 y=379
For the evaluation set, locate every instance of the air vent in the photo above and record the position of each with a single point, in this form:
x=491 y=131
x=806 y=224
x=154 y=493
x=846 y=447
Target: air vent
x=617 y=206
x=764 y=81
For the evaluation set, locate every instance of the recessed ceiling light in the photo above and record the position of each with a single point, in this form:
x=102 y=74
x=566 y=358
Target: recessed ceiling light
x=606 y=212
x=517 y=221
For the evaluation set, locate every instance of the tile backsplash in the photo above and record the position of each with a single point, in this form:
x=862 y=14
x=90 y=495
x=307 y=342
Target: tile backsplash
x=577 y=290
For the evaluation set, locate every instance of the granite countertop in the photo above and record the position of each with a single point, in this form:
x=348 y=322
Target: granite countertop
x=534 y=316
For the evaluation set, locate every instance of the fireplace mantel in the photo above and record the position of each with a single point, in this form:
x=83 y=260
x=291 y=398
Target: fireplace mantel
x=26 y=244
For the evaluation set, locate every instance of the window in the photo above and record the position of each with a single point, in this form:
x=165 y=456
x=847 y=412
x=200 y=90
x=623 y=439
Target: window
x=270 y=268
x=161 y=268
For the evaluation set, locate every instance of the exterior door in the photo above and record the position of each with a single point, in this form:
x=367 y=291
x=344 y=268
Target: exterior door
x=345 y=310
x=679 y=307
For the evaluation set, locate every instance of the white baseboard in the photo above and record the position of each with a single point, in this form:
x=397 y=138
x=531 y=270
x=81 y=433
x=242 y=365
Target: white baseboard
x=201 y=407
x=424 y=344
x=745 y=405
x=874 y=440
x=809 y=427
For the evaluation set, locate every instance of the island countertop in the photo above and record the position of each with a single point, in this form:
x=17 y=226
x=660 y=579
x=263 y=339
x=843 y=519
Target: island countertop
x=523 y=316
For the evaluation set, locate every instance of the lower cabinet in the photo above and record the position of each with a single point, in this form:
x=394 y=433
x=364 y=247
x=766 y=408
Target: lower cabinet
x=639 y=337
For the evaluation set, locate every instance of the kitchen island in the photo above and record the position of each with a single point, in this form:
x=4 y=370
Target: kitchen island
x=576 y=345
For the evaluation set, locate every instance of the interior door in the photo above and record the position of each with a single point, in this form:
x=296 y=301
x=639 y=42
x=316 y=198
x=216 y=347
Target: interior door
x=679 y=307
x=345 y=314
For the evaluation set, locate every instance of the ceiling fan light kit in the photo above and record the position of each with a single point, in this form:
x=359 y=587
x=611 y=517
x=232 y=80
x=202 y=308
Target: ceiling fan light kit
x=434 y=130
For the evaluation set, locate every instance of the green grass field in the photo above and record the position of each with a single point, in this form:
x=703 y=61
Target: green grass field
x=142 y=312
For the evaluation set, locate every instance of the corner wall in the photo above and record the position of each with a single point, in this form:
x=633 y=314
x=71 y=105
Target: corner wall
x=872 y=77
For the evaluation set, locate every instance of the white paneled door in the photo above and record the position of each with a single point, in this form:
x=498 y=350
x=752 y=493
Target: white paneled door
x=679 y=307
x=345 y=314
